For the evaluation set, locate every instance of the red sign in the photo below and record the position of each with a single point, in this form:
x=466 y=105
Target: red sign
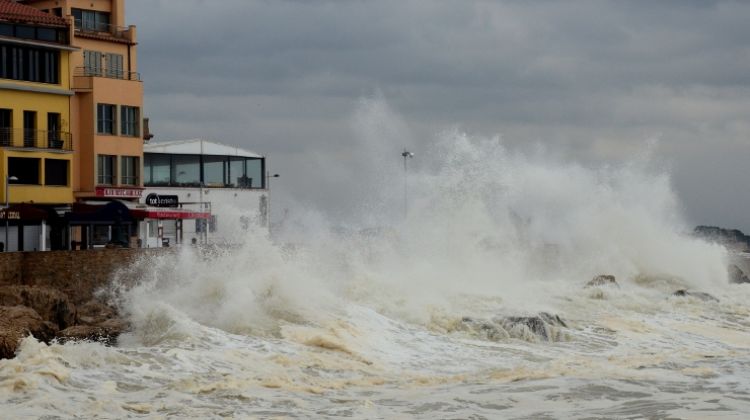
x=119 y=192
x=169 y=214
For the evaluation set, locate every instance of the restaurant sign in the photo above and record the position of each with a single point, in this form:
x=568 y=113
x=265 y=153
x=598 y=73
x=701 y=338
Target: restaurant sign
x=119 y=192
x=156 y=200
x=10 y=215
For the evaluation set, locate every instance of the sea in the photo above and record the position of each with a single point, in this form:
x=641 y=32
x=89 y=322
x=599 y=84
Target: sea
x=421 y=310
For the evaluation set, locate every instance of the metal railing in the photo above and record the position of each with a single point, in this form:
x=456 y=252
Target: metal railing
x=106 y=72
x=36 y=139
x=97 y=28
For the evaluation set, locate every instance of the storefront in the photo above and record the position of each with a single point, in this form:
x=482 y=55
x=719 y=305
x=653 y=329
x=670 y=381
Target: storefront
x=26 y=227
x=101 y=225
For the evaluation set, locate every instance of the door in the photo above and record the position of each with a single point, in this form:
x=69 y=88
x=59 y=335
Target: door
x=54 y=136
x=6 y=127
x=29 y=128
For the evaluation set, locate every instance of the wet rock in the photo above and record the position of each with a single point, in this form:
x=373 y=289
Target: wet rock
x=603 y=280
x=51 y=304
x=698 y=295
x=736 y=275
x=486 y=329
x=89 y=333
x=539 y=325
x=94 y=313
x=16 y=323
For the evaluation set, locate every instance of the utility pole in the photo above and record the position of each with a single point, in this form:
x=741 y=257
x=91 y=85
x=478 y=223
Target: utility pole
x=407 y=155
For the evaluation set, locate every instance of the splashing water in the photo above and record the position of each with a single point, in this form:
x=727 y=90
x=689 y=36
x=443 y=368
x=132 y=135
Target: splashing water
x=414 y=315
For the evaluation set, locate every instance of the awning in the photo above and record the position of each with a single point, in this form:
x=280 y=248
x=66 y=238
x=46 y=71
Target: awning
x=24 y=212
x=113 y=212
x=163 y=213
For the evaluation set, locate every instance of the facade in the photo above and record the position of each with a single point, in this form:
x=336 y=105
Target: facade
x=106 y=119
x=36 y=147
x=225 y=187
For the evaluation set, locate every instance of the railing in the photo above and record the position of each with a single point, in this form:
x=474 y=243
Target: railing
x=106 y=72
x=97 y=28
x=35 y=139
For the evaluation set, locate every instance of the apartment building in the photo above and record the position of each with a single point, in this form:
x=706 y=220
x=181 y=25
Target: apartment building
x=36 y=119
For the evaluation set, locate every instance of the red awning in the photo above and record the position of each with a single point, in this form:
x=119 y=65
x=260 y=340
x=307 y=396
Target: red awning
x=159 y=213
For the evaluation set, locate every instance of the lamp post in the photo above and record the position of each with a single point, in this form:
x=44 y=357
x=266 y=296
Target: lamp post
x=407 y=155
x=268 y=202
x=8 y=178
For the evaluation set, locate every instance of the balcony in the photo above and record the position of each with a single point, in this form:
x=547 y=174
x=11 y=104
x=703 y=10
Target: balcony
x=35 y=139
x=105 y=31
x=106 y=72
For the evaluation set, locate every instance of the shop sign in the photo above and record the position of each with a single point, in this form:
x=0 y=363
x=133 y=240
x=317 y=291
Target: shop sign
x=156 y=200
x=10 y=215
x=118 y=192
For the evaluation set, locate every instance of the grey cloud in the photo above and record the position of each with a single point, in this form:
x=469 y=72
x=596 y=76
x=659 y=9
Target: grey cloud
x=591 y=78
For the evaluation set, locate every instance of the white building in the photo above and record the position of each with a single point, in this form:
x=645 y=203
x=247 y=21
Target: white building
x=187 y=180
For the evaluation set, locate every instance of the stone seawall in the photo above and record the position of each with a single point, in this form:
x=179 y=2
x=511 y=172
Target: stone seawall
x=51 y=295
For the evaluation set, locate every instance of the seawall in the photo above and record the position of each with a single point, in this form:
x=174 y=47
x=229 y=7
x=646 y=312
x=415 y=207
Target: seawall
x=52 y=295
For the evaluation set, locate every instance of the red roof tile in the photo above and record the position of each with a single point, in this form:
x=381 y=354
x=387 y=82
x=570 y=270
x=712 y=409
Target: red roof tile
x=10 y=10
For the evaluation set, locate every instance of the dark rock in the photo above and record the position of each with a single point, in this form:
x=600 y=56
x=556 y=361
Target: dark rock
x=538 y=325
x=736 y=275
x=16 y=323
x=698 y=295
x=102 y=334
x=51 y=304
x=603 y=280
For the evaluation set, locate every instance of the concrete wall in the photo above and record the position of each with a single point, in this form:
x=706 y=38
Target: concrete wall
x=76 y=273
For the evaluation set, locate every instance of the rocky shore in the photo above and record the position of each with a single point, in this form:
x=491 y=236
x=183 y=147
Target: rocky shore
x=49 y=314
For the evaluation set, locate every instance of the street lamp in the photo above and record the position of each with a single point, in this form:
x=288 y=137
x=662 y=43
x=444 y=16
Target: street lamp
x=407 y=155
x=268 y=202
x=8 y=178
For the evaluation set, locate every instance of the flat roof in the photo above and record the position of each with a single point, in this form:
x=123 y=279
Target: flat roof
x=198 y=147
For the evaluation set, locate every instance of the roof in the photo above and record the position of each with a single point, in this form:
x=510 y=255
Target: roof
x=16 y=12
x=198 y=147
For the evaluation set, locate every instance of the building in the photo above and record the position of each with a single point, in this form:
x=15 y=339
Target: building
x=106 y=113
x=202 y=191
x=37 y=150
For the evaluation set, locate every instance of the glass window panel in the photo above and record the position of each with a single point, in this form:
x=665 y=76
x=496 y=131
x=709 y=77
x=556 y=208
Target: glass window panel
x=254 y=169
x=156 y=168
x=237 y=172
x=214 y=168
x=186 y=170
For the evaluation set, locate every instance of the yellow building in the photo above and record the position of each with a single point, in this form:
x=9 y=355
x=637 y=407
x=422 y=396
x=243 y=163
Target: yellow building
x=36 y=148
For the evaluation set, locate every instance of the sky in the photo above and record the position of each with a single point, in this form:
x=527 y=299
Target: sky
x=591 y=81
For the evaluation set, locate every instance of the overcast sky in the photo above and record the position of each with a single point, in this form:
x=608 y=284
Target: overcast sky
x=591 y=80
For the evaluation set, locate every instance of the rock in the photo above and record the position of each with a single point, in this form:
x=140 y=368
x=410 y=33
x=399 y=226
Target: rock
x=698 y=295
x=538 y=325
x=94 y=313
x=603 y=280
x=16 y=323
x=544 y=326
x=51 y=304
x=736 y=275
x=88 y=333
x=731 y=238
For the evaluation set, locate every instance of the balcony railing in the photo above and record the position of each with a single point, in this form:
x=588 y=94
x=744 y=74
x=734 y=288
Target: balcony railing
x=35 y=139
x=106 y=72
x=85 y=27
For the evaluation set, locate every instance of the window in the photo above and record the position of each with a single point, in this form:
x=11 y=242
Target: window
x=129 y=118
x=254 y=173
x=56 y=172
x=92 y=63
x=105 y=118
x=26 y=170
x=114 y=67
x=106 y=169
x=156 y=168
x=91 y=20
x=130 y=167
x=29 y=64
x=214 y=168
x=237 y=173
x=186 y=169
x=200 y=224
